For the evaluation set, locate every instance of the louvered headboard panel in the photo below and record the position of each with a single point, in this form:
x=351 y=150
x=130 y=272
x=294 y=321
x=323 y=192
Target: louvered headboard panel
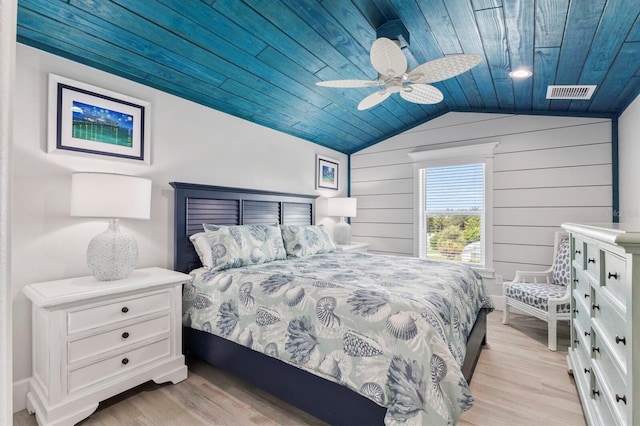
x=197 y=204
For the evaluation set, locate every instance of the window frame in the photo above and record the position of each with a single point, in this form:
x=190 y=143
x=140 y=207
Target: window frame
x=431 y=157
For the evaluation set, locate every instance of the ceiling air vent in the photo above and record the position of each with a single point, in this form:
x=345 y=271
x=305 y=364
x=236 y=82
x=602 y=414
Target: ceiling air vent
x=570 y=92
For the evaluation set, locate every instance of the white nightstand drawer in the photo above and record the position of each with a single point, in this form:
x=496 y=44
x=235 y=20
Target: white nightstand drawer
x=129 y=361
x=96 y=316
x=100 y=343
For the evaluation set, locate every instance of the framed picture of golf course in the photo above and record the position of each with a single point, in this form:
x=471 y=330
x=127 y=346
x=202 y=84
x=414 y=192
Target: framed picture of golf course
x=90 y=120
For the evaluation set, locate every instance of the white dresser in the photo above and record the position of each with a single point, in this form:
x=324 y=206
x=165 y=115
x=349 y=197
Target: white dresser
x=605 y=346
x=94 y=339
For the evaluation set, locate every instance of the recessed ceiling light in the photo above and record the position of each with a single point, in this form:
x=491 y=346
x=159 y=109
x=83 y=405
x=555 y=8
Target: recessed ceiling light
x=521 y=73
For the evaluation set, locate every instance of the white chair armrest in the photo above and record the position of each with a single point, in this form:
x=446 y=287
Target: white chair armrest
x=533 y=276
x=560 y=300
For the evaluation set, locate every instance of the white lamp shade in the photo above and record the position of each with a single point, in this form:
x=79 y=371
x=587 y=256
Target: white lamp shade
x=110 y=195
x=341 y=206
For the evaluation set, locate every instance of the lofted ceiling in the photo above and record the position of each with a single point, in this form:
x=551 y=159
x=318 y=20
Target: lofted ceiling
x=260 y=59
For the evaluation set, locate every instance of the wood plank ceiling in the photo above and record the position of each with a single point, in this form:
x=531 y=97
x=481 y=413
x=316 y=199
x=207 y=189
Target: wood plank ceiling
x=260 y=59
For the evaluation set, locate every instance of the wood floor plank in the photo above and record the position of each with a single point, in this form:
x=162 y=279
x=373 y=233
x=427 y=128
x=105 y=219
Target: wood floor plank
x=517 y=381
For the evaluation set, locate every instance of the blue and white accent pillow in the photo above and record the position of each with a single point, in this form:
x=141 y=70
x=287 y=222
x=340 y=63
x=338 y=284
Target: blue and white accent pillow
x=306 y=240
x=242 y=245
x=561 y=272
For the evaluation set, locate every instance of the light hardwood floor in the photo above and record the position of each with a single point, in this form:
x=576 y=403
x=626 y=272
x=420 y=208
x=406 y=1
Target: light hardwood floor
x=517 y=382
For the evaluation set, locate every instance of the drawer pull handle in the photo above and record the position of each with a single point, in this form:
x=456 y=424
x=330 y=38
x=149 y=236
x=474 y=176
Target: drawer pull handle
x=621 y=339
x=587 y=370
x=124 y=309
x=586 y=295
x=586 y=333
x=614 y=275
x=591 y=260
x=595 y=349
x=125 y=361
x=575 y=280
x=125 y=335
x=577 y=342
x=595 y=392
x=594 y=307
x=578 y=252
x=622 y=398
x=575 y=311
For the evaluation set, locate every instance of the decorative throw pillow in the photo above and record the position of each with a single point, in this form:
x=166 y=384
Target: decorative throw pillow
x=306 y=240
x=200 y=242
x=242 y=245
x=561 y=271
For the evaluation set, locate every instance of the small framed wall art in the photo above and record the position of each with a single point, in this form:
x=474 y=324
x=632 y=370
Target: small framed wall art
x=90 y=120
x=327 y=173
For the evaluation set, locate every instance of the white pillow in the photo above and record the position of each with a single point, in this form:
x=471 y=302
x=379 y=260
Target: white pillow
x=200 y=242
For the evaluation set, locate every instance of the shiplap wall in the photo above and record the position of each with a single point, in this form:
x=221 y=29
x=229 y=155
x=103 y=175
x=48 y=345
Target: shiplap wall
x=547 y=170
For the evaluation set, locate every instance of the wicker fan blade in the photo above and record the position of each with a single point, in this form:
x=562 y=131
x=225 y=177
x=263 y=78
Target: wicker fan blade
x=443 y=68
x=421 y=94
x=373 y=99
x=387 y=58
x=348 y=83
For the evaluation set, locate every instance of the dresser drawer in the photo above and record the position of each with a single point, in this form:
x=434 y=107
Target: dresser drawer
x=611 y=326
x=582 y=321
x=578 y=251
x=614 y=278
x=593 y=261
x=607 y=370
x=582 y=285
x=97 y=316
x=118 y=338
x=98 y=372
x=599 y=397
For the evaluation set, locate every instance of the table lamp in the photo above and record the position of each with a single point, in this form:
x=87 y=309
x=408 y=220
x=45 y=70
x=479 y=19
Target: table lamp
x=113 y=254
x=343 y=207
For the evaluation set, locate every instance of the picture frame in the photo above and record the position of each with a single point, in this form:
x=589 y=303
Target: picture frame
x=327 y=173
x=85 y=119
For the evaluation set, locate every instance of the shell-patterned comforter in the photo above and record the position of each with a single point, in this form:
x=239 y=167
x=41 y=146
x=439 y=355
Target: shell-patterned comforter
x=393 y=329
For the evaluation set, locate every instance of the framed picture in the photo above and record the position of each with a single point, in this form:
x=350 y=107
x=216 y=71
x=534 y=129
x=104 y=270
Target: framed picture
x=327 y=171
x=90 y=120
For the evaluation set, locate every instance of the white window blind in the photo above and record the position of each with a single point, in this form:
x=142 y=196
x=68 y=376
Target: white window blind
x=453 y=213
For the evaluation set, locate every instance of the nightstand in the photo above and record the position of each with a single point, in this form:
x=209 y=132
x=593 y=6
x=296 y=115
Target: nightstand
x=95 y=339
x=361 y=247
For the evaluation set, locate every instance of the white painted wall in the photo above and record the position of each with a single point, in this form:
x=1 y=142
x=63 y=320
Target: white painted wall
x=629 y=158
x=190 y=143
x=546 y=171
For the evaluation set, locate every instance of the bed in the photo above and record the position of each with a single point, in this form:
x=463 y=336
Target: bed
x=330 y=366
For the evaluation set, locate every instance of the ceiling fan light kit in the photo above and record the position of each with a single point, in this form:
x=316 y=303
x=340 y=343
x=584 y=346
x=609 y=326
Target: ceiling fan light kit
x=395 y=77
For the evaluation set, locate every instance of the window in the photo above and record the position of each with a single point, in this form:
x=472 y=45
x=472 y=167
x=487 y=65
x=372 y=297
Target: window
x=453 y=215
x=453 y=196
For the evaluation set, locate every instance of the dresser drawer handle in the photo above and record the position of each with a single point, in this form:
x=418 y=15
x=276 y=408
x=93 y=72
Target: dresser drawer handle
x=622 y=340
x=591 y=260
x=575 y=280
x=595 y=392
x=622 y=398
x=586 y=295
x=586 y=333
x=614 y=275
x=125 y=361
x=587 y=370
x=595 y=349
x=575 y=311
x=577 y=342
x=594 y=307
x=125 y=335
x=578 y=252
x=124 y=309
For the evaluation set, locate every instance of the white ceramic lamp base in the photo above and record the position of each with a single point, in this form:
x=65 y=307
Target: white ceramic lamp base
x=342 y=232
x=112 y=255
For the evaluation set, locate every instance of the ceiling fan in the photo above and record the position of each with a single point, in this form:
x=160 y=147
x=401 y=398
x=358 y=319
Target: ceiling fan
x=387 y=58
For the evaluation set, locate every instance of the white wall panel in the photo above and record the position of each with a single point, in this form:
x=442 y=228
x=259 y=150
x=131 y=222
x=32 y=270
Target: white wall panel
x=549 y=216
x=384 y=216
x=553 y=177
x=534 y=235
x=522 y=253
x=381 y=187
x=388 y=245
x=579 y=155
x=588 y=196
x=386 y=230
x=384 y=201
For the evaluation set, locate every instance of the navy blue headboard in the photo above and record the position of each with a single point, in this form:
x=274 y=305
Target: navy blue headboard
x=197 y=204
